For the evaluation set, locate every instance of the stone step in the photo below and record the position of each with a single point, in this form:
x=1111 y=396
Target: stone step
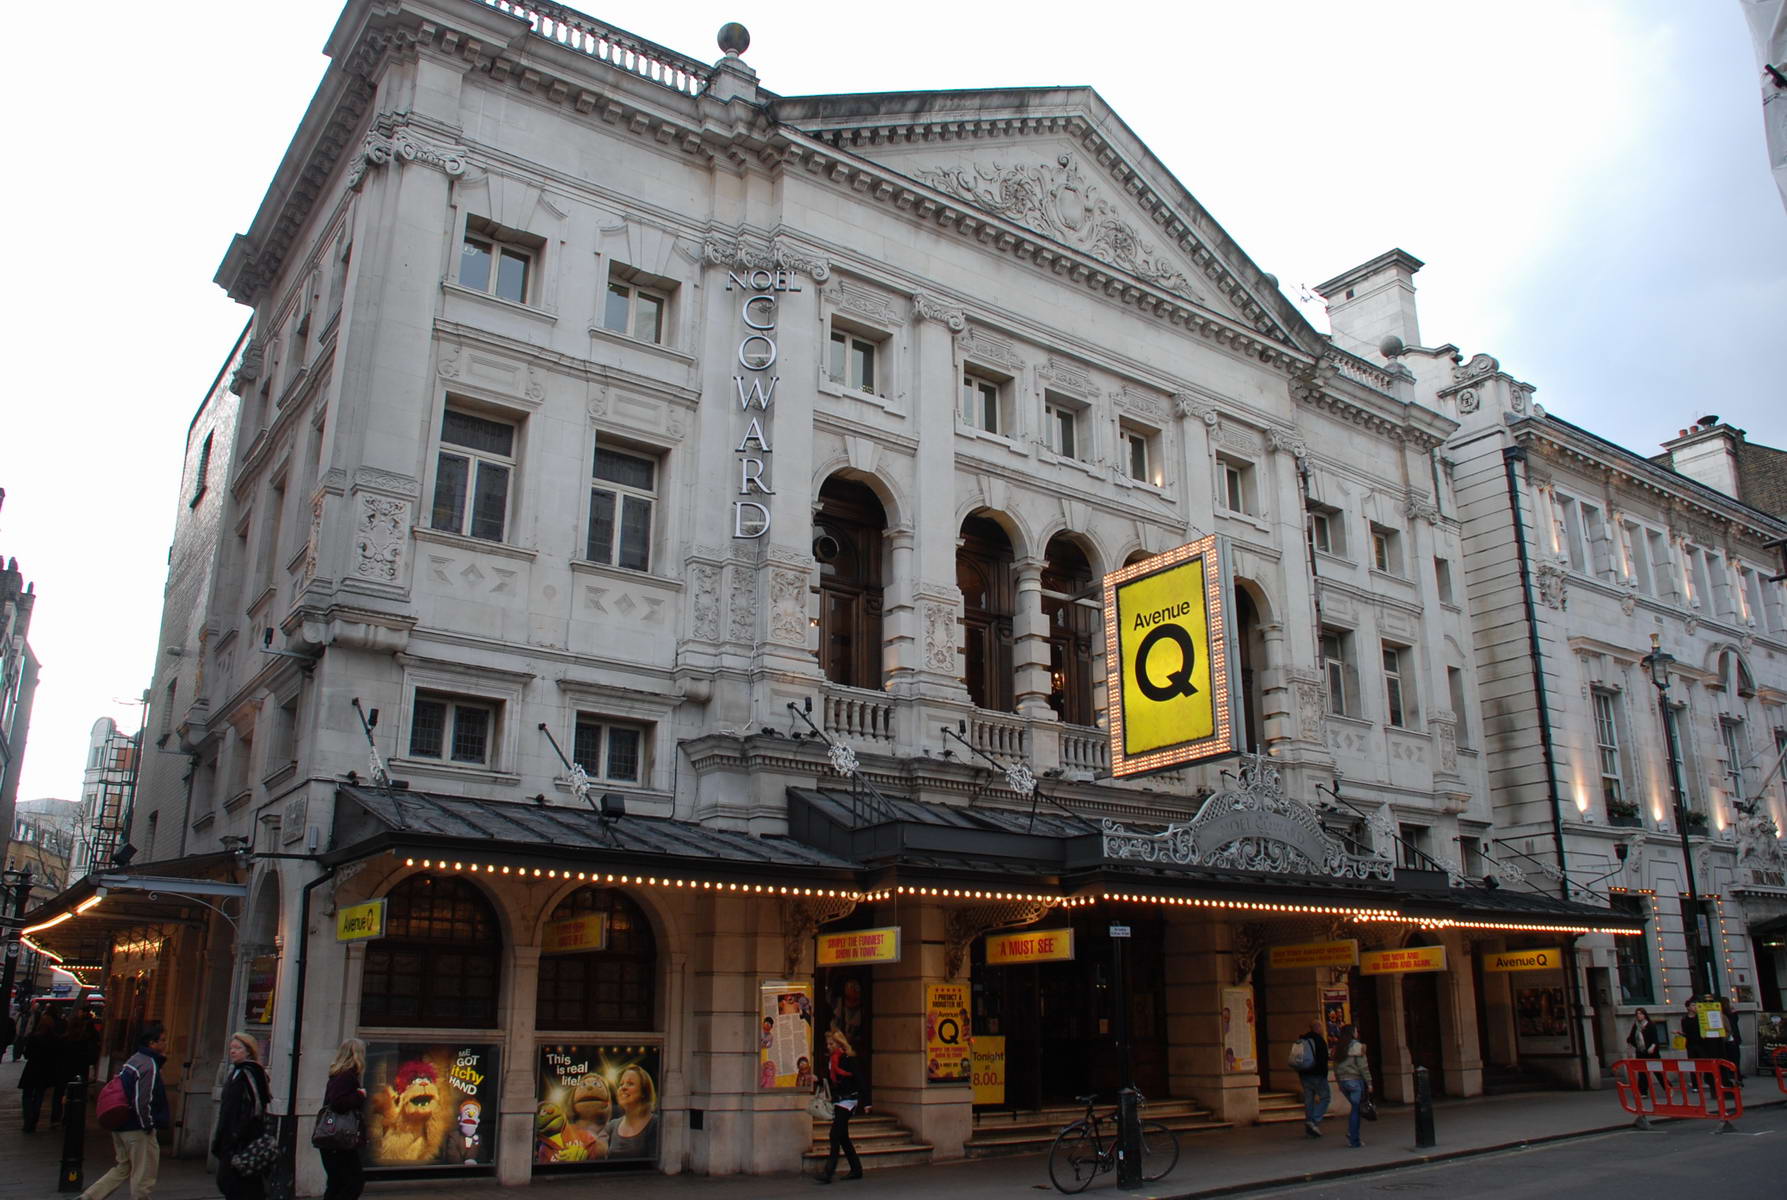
x=863 y=1137
x=1057 y=1115
x=1035 y=1139
x=905 y=1154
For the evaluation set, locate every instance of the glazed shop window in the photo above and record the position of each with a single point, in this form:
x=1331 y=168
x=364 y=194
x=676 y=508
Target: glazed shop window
x=613 y=988
x=472 y=475
x=1633 y=953
x=440 y=961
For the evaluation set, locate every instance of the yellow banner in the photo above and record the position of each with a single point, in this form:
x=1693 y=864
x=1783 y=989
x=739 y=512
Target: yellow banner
x=1030 y=945
x=1545 y=958
x=575 y=935
x=946 y=1032
x=1343 y=953
x=1163 y=646
x=357 y=922
x=989 y=1070
x=1404 y=961
x=860 y=946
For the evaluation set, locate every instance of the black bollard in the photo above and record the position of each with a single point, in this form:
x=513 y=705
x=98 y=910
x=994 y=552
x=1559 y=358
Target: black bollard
x=1129 y=1139
x=74 y=1136
x=1423 y=1110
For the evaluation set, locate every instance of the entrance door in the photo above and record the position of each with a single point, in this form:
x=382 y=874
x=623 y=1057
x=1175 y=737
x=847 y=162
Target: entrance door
x=1421 y=1025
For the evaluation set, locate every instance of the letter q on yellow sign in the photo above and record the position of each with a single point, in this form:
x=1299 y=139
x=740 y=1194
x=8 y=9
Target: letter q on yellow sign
x=1163 y=637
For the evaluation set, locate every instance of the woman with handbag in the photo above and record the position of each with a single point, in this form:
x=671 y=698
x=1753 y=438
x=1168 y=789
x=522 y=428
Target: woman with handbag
x=341 y=1126
x=847 y=1095
x=1353 y=1074
x=241 y=1123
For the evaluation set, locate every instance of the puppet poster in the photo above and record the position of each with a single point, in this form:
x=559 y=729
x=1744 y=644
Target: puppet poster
x=431 y=1105
x=596 y=1105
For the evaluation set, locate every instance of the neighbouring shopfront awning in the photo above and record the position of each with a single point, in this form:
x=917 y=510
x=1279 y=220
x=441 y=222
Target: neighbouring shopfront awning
x=78 y=928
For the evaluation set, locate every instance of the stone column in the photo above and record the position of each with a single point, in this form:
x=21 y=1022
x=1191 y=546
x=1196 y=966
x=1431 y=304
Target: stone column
x=939 y=1113
x=1459 y=1049
x=902 y=632
x=1200 y=961
x=1030 y=642
x=936 y=601
x=515 y=1131
x=1398 y=1064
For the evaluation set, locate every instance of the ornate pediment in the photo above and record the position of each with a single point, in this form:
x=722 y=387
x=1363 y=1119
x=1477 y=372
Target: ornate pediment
x=1060 y=200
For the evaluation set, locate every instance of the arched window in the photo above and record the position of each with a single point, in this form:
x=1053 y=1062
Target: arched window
x=847 y=542
x=611 y=988
x=440 y=961
x=1072 y=627
x=984 y=575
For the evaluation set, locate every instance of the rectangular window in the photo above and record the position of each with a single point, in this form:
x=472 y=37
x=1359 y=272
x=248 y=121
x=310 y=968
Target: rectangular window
x=1442 y=580
x=452 y=729
x=1062 y=420
x=1411 y=848
x=1455 y=693
x=1752 y=592
x=203 y=471
x=1684 y=773
x=493 y=261
x=607 y=750
x=1574 y=548
x=1640 y=567
x=1737 y=752
x=1237 y=484
x=1594 y=536
x=852 y=363
x=471 y=482
x=1613 y=787
x=636 y=307
x=1398 y=689
x=1633 y=953
x=1141 y=455
x=1470 y=857
x=1386 y=549
x=622 y=499
x=1327 y=529
x=1667 y=579
x=1337 y=664
x=980 y=403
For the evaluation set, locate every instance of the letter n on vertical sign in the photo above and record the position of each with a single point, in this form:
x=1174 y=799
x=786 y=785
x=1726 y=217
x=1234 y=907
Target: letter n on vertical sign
x=1169 y=650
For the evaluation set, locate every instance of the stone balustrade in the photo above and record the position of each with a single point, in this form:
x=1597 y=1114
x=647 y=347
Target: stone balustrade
x=575 y=31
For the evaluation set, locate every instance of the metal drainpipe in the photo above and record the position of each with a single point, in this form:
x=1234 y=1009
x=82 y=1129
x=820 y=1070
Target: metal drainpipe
x=1510 y=456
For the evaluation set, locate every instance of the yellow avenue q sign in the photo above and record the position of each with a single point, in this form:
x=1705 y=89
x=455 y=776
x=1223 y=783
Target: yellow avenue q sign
x=1166 y=630
x=1404 y=961
x=358 y=922
x=1545 y=958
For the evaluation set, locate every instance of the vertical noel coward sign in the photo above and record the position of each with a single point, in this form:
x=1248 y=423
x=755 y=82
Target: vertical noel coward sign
x=756 y=389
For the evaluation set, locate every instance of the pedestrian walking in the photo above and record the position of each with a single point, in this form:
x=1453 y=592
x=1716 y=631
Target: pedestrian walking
x=139 y=1154
x=847 y=1094
x=241 y=1118
x=42 y=1075
x=1309 y=1058
x=1353 y=1074
x=346 y=1094
x=1646 y=1040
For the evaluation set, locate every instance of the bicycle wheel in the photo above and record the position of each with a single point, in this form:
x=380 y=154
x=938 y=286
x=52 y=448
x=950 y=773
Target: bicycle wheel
x=1073 y=1159
x=1160 y=1151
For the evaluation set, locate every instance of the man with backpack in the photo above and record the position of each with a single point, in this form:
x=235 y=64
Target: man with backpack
x=133 y=1106
x=1309 y=1059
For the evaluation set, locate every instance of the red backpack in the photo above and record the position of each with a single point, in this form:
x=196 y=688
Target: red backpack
x=113 y=1110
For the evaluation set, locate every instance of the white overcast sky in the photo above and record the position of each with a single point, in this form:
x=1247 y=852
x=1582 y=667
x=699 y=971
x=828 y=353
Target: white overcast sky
x=1586 y=181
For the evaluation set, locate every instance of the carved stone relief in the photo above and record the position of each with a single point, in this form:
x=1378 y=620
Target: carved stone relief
x=801 y=919
x=398 y=143
x=1447 y=734
x=380 y=531
x=611 y=601
x=1237 y=439
x=1288 y=441
x=788 y=622
x=1067 y=375
x=249 y=369
x=929 y=308
x=1552 y=579
x=313 y=543
x=1467 y=401
x=704 y=590
x=970 y=922
x=876 y=307
x=1145 y=403
x=1312 y=707
x=984 y=346
x=940 y=647
x=1060 y=201
x=743 y=605
x=1189 y=405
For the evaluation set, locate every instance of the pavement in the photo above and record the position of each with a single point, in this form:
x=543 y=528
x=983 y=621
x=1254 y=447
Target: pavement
x=1214 y=1164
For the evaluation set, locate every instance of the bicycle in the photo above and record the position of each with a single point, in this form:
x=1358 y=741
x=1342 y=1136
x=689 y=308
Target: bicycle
x=1082 y=1151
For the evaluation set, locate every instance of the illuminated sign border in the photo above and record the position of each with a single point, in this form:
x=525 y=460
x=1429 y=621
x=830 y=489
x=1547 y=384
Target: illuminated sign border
x=1214 y=551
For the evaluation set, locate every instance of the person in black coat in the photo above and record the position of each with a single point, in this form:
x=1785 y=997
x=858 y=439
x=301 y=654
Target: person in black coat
x=848 y=1096
x=43 y=1069
x=241 y=1117
x=346 y=1094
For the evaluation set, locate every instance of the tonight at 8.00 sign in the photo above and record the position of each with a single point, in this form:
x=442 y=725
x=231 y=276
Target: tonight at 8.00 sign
x=1166 y=630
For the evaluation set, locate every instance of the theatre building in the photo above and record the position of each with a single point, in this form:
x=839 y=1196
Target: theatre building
x=654 y=618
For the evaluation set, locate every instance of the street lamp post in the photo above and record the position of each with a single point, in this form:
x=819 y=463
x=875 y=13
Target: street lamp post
x=1657 y=663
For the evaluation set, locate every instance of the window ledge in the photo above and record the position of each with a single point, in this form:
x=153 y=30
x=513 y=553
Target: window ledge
x=236 y=801
x=279 y=774
x=460 y=540
x=1380 y=574
x=1126 y=480
x=603 y=333
x=1334 y=557
x=1408 y=730
x=582 y=566
x=831 y=387
x=1046 y=455
x=526 y=310
x=963 y=429
x=1349 y=719
x=1246 y=518
x=443 y=770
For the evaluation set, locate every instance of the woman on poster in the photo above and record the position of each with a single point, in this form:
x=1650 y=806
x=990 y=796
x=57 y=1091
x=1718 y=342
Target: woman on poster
x=241 y=1117
x=634 y=1134
x=847 y=1093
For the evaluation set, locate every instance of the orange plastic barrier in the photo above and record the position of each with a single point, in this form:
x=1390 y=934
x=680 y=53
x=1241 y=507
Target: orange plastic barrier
x=1679 y=1087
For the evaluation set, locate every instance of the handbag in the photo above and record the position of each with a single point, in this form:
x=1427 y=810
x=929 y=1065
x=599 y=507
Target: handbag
x=257 y=1157
x=336 y=1130
x=1368 y=1107
x=821 y=1105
